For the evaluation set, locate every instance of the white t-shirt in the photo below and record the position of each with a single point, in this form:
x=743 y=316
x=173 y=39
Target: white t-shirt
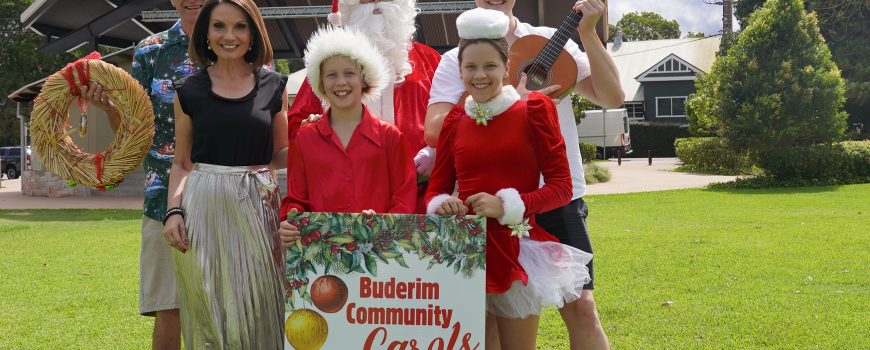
x=448 y=87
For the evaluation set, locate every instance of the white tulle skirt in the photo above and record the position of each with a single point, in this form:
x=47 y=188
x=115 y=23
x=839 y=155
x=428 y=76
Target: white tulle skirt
x=556 y=276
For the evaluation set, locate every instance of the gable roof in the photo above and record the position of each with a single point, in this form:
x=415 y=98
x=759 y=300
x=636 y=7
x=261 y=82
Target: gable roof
x=634 y=58
x=671 y=68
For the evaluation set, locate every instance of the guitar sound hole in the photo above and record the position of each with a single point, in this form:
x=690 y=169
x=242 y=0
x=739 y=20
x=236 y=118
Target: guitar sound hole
x=538 y=77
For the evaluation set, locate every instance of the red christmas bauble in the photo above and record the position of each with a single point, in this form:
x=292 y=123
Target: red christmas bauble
x=329 y=293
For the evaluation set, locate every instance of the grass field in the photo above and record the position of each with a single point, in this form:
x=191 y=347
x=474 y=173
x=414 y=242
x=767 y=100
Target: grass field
x=777 y=269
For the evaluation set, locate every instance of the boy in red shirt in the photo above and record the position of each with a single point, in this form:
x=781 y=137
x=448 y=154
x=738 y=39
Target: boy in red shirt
x=348 y=160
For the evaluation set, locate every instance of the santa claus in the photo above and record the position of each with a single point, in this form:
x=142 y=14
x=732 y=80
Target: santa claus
x=390 y=26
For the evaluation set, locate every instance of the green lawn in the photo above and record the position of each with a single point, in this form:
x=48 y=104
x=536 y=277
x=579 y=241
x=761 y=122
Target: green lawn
x=778 y=269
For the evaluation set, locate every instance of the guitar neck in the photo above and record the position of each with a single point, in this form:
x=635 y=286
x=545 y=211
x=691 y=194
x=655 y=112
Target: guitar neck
x=557 y=42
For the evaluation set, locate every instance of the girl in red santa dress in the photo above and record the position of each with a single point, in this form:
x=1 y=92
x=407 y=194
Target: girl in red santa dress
x=496 y=146
x=348 y=160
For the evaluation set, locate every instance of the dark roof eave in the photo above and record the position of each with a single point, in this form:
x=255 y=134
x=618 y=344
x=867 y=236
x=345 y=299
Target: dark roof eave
x=99 y=26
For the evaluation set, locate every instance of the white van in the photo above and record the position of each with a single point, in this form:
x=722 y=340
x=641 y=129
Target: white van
x=607 y=129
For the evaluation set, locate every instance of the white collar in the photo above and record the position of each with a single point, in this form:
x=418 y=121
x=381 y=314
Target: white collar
x=482 y=113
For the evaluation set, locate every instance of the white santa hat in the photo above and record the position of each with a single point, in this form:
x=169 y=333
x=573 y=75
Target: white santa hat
x=339 y=41
x=482 y=24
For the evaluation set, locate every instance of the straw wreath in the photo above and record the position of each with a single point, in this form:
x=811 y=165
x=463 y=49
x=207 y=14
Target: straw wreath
x=50 y=128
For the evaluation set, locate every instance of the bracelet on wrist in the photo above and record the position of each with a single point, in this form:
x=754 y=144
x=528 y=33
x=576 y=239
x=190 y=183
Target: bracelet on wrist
x=172 y=211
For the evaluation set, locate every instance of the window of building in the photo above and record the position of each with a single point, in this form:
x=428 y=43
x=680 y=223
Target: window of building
x=635 y=110
x=671 y=106
x=671 y=66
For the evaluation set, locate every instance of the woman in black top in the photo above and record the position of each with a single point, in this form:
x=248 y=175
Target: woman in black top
x=230 y=133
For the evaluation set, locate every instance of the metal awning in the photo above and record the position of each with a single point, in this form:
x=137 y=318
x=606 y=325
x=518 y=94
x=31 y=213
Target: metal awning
x=88 y=22
x=122 y=23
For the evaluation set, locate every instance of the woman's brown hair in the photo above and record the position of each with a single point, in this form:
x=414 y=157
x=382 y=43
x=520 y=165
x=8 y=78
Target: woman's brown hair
x=261 y=48
x=499 y=44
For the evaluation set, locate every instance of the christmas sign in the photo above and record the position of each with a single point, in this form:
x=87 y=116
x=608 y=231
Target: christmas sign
x=397 y=282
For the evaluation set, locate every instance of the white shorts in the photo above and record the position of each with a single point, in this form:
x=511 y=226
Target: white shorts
x=157 y=291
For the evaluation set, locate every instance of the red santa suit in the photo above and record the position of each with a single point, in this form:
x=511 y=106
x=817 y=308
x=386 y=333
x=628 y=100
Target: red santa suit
x=375 y=171
x=505 y=157
x=410 y=100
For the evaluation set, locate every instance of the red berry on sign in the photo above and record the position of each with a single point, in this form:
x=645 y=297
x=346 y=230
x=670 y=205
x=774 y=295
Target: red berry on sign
x=350 y=246
x=304 y=221
x=334 y=249
x=315 y=235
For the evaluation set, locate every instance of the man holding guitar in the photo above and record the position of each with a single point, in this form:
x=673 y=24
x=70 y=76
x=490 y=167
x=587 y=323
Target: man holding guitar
x=596 y=78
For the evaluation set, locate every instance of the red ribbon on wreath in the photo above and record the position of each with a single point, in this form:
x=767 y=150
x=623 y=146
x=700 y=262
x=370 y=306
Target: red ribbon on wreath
x=84 y=71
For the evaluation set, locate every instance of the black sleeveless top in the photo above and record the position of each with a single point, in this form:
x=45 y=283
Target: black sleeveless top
x=231 y=131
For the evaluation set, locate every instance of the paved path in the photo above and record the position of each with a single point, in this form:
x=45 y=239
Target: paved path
x=634 y=175
x=11 y=198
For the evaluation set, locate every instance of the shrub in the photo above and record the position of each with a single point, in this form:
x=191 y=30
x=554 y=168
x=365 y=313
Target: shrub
x=711 y=155
x=775 y=90
x=857 y=155
x=587 y=151
x=656 y=137
x=595 y=174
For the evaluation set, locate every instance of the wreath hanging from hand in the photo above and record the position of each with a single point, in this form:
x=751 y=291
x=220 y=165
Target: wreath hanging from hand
x=50 y=126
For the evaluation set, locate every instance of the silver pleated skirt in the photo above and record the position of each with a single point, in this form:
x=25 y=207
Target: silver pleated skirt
x=229 y=280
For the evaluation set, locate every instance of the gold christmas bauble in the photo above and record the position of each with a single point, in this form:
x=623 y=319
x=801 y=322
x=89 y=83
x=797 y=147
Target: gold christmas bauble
x=305 y=329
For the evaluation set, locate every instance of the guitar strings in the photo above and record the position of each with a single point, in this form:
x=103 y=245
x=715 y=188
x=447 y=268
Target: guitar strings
x=550 y=53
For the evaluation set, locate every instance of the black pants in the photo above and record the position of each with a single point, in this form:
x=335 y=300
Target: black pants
x=568 y=224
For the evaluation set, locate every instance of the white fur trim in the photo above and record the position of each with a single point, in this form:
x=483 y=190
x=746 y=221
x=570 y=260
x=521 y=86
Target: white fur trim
x=497 y=105
x=340 y=41
x=482 y=24
x=513 y=206
x=436 y=202
x=334 y=18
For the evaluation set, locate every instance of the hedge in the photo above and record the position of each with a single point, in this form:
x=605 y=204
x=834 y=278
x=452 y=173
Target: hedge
x=656 y=137
x=847 y=161
x=710 y=155
x=587 y=151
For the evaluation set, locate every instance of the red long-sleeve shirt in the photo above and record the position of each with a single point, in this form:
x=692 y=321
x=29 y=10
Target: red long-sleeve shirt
x=375 y=171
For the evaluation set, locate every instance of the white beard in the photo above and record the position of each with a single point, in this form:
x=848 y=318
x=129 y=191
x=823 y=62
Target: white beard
x=391 y=31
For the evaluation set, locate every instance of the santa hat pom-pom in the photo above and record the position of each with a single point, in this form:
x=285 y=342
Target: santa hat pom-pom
x=334 y=16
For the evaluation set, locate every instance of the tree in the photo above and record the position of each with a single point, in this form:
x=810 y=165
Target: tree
x=776 y=89
x=20 y=63
x=696 y=35
x=647 y=26
x=581 y=104
x=744 y=8
x=843 y=24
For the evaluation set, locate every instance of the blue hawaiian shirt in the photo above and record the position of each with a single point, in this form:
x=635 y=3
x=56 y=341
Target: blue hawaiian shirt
x=157 y=62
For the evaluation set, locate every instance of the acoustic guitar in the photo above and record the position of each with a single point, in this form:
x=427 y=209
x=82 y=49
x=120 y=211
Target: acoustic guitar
x=545 y=61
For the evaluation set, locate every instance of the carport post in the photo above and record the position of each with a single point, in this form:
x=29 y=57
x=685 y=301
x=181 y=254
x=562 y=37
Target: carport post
x=22 y=137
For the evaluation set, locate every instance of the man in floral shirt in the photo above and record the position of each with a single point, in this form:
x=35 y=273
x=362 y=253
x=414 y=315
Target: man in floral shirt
x=158 y=61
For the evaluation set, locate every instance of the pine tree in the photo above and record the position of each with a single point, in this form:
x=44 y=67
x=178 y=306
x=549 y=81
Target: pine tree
x=776 y=88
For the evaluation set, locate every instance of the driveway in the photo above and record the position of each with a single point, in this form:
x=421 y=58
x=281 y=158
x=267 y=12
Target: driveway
x=634 y=175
